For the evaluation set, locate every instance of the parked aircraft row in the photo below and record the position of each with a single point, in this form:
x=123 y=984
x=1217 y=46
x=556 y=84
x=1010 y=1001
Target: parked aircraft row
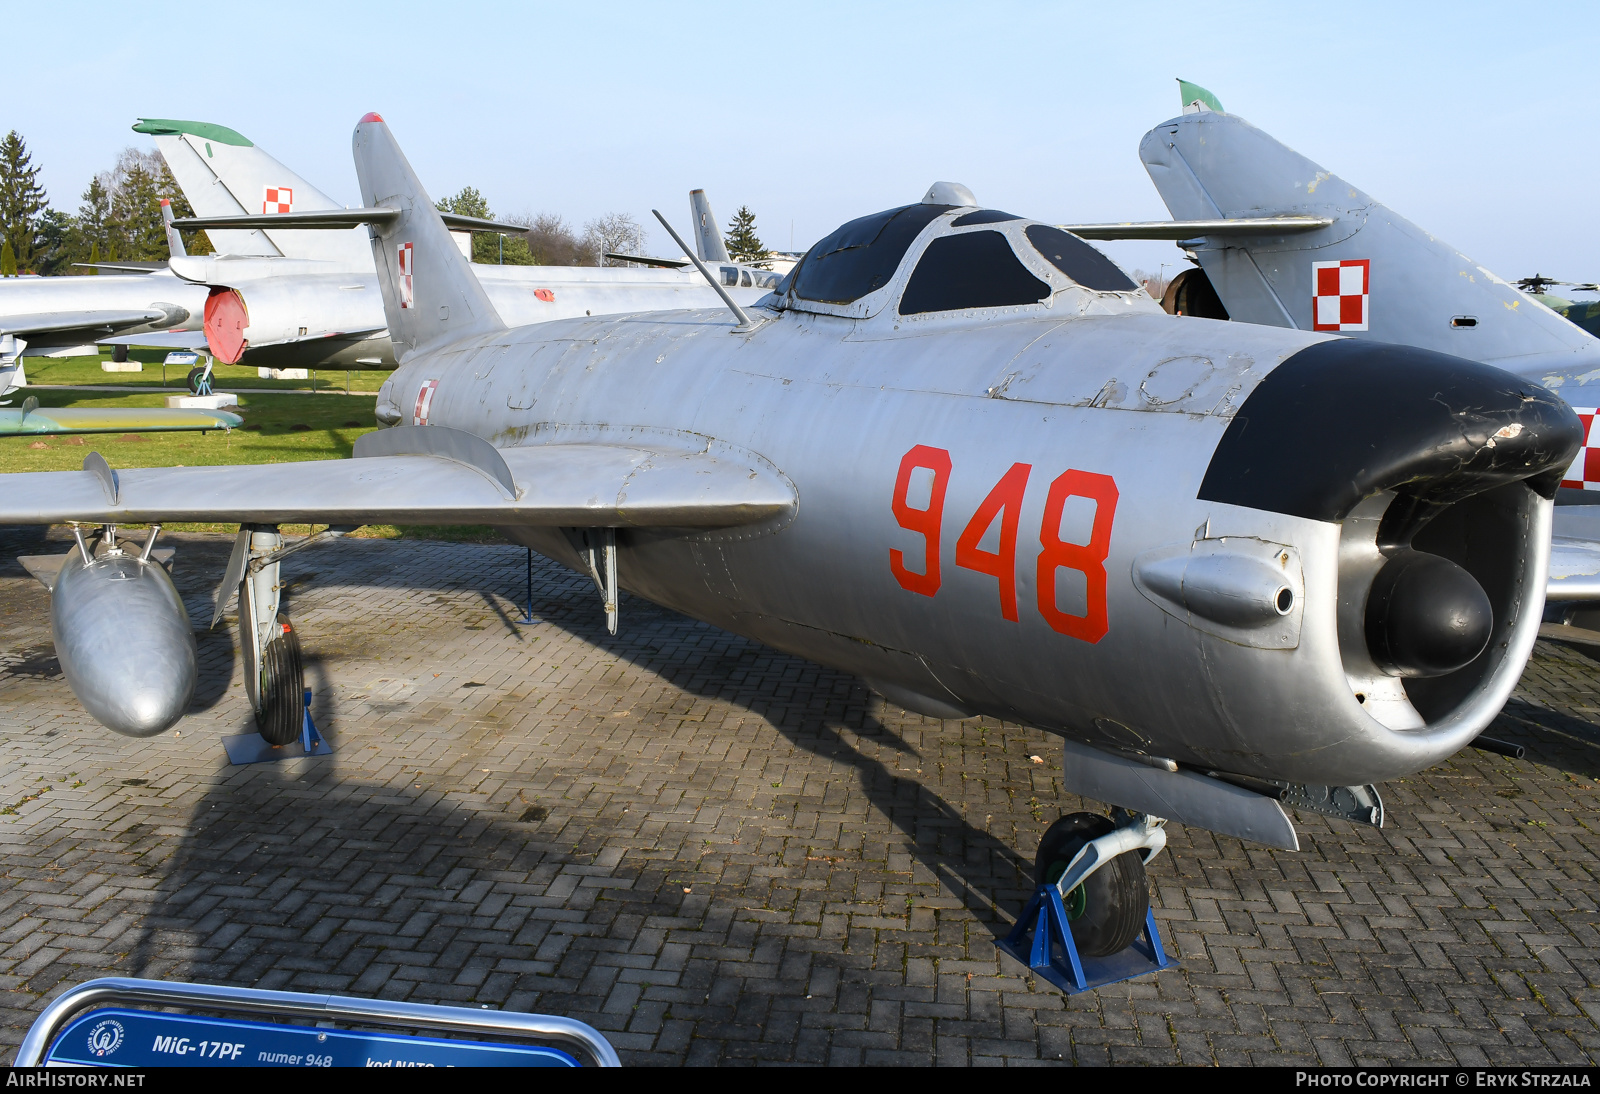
x=961 y=454
x=280 y=296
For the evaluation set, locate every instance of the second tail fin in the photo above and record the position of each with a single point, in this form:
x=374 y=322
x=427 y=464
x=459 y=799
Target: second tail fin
x=707 y=236
x=430 y=293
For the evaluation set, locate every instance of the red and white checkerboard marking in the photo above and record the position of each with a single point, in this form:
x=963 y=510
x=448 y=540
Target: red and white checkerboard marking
x=405 y=275
x=1340 y=292
x=1584 y=474
x=277 y=199
x=419 y=414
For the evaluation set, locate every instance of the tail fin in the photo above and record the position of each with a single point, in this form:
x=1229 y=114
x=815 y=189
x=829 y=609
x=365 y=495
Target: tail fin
x=430 y=293
x=1370 y=274
x=223 y=173
x=174 y=237
x=707 y=236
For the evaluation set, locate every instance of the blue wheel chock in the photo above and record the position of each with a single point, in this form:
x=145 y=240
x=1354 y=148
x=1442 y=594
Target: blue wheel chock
x=1042 y=940
x=249 y=748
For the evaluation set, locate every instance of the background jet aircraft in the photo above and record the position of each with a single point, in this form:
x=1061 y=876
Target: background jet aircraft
x=307 y=298
x=1281 y=241
x=958 y=453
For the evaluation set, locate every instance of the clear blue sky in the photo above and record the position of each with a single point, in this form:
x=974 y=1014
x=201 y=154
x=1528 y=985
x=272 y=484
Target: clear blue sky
x=1475 y=120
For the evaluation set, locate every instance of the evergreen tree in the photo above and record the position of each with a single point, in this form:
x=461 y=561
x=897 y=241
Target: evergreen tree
x=55 y=240
x=8 y=259
x=136 y=217
x=487 y=247
x=743 y=243
x=22 y=199
x=94 y=256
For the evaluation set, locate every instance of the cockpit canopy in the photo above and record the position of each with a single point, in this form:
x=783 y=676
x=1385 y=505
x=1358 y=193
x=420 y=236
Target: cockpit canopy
x=972 y=259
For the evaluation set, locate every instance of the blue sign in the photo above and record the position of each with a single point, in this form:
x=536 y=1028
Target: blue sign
x=134 y=1038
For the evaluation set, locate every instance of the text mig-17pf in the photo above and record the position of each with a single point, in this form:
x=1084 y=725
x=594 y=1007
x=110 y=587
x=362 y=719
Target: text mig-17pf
x=959 y=453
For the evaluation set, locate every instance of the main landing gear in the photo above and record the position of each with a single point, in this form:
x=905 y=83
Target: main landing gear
x=274 y=676
x=1089 y=922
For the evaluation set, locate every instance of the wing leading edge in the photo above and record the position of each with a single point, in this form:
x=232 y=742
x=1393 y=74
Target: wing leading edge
x=548 y=485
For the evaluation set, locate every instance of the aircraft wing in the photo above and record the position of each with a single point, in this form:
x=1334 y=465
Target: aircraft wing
x=164 y=339
x=77 y=320
x=32 y=421
x=1574 y=569
x=422 y=475
x=1191 y=229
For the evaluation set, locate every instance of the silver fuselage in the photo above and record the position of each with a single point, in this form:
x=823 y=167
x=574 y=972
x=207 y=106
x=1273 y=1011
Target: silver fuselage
x=837 y=403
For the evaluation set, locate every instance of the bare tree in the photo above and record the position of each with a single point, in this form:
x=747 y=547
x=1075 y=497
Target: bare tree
x=1155 y=284
x=617 y=232
x=552 y=242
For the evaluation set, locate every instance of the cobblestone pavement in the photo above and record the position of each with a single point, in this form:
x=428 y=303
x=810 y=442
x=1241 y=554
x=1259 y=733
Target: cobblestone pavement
x=718 y=853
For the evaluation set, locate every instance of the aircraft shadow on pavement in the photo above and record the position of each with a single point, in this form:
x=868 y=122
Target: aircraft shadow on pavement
x=975 y=867
x=1552 y=738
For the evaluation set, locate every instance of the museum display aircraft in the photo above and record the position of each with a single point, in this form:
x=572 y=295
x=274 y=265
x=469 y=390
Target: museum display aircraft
x=1280 y=241
x=956 y=452
x=284 y=295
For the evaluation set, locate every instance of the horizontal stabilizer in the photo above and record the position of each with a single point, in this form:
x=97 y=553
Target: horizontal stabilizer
x=124 y=267
x=556 y=485
x=1192 y=229
x=77 y=320
x=343 y=218
x=93 y=419
x=646 y=260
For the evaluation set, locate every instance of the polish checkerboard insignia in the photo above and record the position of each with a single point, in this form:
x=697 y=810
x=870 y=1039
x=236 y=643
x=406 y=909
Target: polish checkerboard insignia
x=1584 y=474
x=277 y=199
x=419 y=413
x=1340 y=292
x=405 y=275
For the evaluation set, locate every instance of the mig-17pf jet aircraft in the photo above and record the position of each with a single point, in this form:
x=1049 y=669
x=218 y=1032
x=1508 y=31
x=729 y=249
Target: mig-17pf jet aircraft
x=285 y=294
x=957 y=452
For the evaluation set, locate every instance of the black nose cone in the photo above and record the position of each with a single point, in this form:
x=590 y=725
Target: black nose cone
x=1426 y=616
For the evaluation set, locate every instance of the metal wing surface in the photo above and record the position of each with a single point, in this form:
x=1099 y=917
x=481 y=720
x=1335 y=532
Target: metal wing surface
x=180 y=339
x=554 y=485
x=29 y=422
x=78 y=320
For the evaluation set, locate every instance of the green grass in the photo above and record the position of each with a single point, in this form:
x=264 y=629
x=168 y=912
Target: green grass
x=277 y=429
x=87 y=370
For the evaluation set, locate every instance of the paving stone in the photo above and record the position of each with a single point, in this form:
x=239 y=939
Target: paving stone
x=719 y=853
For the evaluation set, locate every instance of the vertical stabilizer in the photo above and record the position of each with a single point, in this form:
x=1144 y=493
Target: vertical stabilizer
x=223 y=173
x=430 y=294
x=707 y=236
x=1370 y=274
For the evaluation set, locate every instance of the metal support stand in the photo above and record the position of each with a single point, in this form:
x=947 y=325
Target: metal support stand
x=527 y=616
x=249 y=748
x=1052 y=955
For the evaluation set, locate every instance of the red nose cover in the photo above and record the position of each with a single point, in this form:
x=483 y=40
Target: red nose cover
x=226 y=320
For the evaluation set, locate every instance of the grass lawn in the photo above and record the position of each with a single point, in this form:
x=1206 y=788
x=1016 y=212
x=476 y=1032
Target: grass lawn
x=87 y=370
x=277 y=429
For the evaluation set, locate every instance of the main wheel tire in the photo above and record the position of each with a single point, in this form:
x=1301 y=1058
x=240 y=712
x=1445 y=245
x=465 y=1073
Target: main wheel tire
x=196 y=375
x=1108 y=910
x=282 y=687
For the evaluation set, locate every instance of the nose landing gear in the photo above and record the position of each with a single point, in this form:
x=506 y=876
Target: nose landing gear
x=1089 y=918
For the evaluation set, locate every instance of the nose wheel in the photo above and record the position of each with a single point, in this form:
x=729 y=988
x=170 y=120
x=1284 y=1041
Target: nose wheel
x=1089 y=921
x=1106 y=910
